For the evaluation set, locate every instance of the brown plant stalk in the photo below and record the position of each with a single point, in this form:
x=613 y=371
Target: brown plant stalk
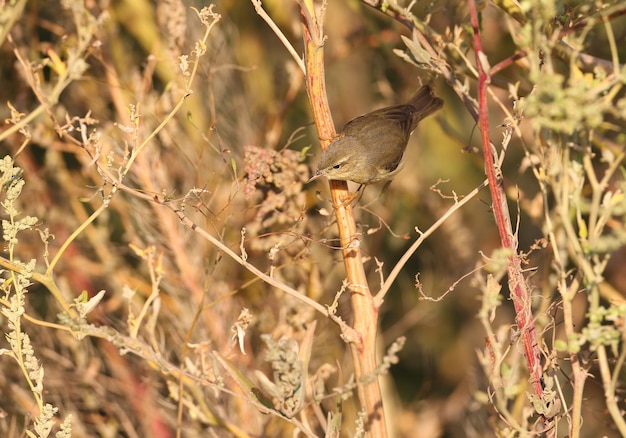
x=365 y=312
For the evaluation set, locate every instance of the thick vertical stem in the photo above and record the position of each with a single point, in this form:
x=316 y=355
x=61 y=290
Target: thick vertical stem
x=364 y=311
x=517 y=284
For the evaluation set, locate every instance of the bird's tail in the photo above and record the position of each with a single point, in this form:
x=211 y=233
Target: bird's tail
x=425 y=103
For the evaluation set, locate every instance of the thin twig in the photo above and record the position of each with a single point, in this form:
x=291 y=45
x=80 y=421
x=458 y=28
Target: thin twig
x=258 y=6
x=380 y=296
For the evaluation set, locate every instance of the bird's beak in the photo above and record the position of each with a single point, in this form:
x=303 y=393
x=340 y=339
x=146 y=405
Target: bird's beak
x=315 y=176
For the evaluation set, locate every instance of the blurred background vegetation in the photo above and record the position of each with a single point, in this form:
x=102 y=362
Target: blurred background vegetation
x=237 y=154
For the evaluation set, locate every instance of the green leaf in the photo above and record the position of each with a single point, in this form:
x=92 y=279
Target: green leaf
x=420 y=55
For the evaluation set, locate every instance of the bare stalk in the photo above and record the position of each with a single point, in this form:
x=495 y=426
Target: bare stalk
x=364 y=310
x=517 y=284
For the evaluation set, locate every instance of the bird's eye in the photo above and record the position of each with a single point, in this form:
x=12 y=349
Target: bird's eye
x=337 y=166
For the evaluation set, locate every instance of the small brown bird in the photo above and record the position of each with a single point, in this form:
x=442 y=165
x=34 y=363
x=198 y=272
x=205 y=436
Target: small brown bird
x=371 y=147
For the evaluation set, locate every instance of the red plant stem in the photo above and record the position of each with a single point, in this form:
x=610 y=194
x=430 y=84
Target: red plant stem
x=517 y=284
x=584 y=23
x=519 y=55
x=506 y=62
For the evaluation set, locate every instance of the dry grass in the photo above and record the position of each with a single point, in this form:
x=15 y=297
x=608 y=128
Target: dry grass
x=167 y=270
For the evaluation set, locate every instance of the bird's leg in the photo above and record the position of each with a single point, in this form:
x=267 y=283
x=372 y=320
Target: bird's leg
x=380 y=195
x=354 y=197
x=385 y=187
x=359 y=193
